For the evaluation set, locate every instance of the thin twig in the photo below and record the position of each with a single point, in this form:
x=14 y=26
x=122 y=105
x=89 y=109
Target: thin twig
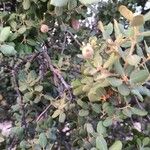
x=55 y=71
x=74 y=38
x=39 y=117
x=16 y=87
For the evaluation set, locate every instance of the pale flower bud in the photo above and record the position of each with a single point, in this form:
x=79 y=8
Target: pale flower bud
x=44 y=28
x=87 y=51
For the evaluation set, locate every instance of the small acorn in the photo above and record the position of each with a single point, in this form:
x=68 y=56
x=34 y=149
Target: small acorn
x=87 y=51
x=44 y=28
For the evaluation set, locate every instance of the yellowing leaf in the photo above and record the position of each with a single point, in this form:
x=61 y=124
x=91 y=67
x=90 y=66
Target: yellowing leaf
x=137 y=20
x=125 y=12
x=56 y=113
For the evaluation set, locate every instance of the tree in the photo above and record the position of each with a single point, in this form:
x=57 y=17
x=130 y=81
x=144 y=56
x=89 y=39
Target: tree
x=49 y=109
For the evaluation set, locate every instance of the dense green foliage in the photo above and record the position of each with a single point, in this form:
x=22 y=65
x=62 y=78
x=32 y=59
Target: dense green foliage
x=57 y=98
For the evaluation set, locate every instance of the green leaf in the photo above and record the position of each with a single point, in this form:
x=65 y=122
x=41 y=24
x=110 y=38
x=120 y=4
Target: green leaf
x=139 y=112
x=75 y=83
x=38 y=88
x=78 y=91
x=83 y=104
x=22 y=29
x=56 y=113
x=87 y=2
x=138 y=94
x=59 y=3
x=23 y=87
x=62 y=117
x=114 y=81
x=83 y=113
x=96 y=108
x=26 y=4
x=97 y=61
x=1 y=139
x=8 y=50
x=43 y=140
x=89 y=128
x=146 y=33
x=109 y=28
x=118 y=68
x=58 y=11
x=124 y=90
x=117 y=29
x=4 y=34
x=133 y=60
x=139 y=76
x=111 y=60
x=147 y=16
x=127 y=112
x=107 y=122
x=86 y=88
x=101 y=143
x=146 y=141
x=72 y=4
x=100 y=128
x=117 y=145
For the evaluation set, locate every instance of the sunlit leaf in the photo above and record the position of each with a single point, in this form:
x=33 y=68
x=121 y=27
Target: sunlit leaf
x=4 y=34
x=59 y=3
x=117 y=145
x=86 y=2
